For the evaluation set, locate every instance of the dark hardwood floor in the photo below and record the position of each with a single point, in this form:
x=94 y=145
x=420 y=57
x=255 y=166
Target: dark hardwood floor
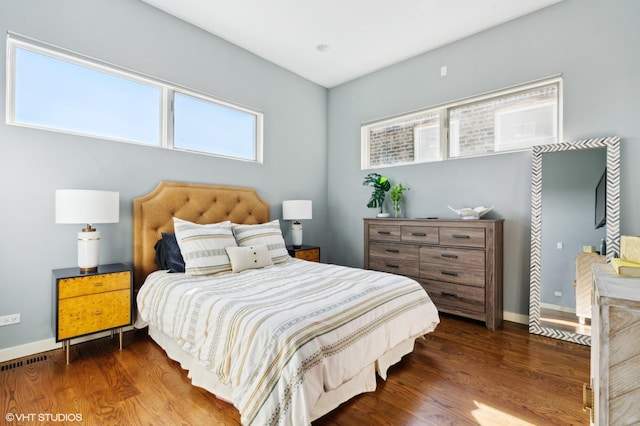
x=461 y=374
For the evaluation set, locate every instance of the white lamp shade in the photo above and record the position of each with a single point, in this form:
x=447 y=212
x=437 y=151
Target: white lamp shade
x=296 y=209
x=87 y=206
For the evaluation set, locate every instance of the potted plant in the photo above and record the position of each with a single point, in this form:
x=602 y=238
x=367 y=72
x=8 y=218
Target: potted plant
x=396 y=197
x=380 y=186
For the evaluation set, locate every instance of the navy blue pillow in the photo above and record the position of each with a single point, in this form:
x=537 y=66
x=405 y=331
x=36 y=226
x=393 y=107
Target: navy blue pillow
x=168 y=255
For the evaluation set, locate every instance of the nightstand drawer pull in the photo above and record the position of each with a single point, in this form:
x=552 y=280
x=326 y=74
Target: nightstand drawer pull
x=446 y=293
x=449 y=255
x=392 y=266
x=453 y=274
x=419 y=234
x=460 y=236
x=384 y=232
x=392 y=250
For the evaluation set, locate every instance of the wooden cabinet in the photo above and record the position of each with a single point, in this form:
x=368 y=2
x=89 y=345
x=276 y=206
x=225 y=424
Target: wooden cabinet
x=615 y=353
x=458 y=262
x=584 y=283
x=92 y=302
x=311 y=253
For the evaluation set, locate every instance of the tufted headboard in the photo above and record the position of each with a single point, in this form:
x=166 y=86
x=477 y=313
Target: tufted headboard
x=199 y=203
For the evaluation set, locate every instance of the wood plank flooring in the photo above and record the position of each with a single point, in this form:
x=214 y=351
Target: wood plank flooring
x=461 y=374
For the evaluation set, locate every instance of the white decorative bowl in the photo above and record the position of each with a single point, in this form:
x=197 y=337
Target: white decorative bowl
x=471 y=213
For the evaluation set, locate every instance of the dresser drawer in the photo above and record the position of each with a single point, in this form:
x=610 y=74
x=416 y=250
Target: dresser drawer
x=455 y=296
x=384 y=232
x=394 y=251
x=395 y=265
x=87 y=314
x=92 y=284
x=447 y=256
x=453 y=274
x=420 y=234
x=463 y=237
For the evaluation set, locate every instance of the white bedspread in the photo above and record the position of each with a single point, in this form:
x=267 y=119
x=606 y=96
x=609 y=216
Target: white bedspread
x=281 y=335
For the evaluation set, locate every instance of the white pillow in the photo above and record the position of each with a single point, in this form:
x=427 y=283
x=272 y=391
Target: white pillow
x=203 y=246
x=252 y=257
x=268 y=234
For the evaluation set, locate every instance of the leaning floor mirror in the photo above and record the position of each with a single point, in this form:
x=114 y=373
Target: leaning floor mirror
x=575 y=212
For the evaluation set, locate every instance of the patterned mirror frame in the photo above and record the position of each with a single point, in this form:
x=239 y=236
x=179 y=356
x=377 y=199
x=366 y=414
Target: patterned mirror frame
x=612 y=144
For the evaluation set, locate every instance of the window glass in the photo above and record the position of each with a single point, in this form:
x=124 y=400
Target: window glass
x=201 y=125
x=57 y=94
x=507 y=120
x=54 y=89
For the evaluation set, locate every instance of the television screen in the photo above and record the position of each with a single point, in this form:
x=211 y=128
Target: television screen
x=601 y=201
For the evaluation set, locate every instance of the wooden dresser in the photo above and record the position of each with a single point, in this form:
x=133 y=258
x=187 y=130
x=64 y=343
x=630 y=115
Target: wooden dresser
x=615 y=352
x=458 y=262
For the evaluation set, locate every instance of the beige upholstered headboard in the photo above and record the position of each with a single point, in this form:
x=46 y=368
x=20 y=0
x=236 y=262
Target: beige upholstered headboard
x=199 y=203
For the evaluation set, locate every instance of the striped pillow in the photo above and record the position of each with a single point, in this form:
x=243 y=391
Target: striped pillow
x=268 y=234
x=203 y=246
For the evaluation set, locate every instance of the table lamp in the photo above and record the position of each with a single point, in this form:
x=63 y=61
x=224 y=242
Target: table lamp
x=90 y=207
x=296 y=210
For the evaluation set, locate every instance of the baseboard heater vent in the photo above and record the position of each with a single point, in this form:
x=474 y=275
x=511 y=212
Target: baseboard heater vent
x=16 y=364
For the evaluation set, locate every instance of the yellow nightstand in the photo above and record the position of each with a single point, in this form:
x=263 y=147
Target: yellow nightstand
x=311 y=253
x=92 y=302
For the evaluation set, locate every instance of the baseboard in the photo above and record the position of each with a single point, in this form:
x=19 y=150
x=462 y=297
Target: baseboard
x=46 y=345
x=515 y=317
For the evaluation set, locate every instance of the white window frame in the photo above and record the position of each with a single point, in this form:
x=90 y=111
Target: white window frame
x=165 y=107
x=449 y=127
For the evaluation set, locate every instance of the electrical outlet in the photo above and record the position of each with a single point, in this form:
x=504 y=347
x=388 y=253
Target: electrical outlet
x=559 y=293
x=9 y=319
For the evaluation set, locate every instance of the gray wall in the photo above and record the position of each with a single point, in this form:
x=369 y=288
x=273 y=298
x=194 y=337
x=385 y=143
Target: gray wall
x=34 y=163
x=593 y=43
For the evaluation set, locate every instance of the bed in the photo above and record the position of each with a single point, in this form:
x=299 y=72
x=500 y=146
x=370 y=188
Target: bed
x=284 y=340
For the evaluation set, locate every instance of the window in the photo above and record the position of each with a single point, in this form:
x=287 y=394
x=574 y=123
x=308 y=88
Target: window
x=508 y=120
x=56 y=90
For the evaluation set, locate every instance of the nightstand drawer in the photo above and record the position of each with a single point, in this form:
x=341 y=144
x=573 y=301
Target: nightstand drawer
x=464 y=237
x=88 y=314
x=312 y=255
x=92 y=284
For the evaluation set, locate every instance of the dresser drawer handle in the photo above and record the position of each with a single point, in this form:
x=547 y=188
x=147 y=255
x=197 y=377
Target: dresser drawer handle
x=392 y=266
x=97 y=313
x=97 y=284
x=453 y=274
x=446 y=293
x=460 y=236
x=392 y=250
x=384 y=232
x=419 y=234
x=450 y=256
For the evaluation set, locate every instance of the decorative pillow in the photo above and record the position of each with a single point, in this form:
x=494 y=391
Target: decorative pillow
x=268 y=234
x=252 y=257
x=203 y=246
x=175 y=262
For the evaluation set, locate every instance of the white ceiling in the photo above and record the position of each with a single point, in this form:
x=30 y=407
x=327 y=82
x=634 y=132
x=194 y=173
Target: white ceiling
x=362 y=35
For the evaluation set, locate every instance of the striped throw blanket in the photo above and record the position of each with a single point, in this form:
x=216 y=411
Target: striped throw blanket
x=282 y=335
